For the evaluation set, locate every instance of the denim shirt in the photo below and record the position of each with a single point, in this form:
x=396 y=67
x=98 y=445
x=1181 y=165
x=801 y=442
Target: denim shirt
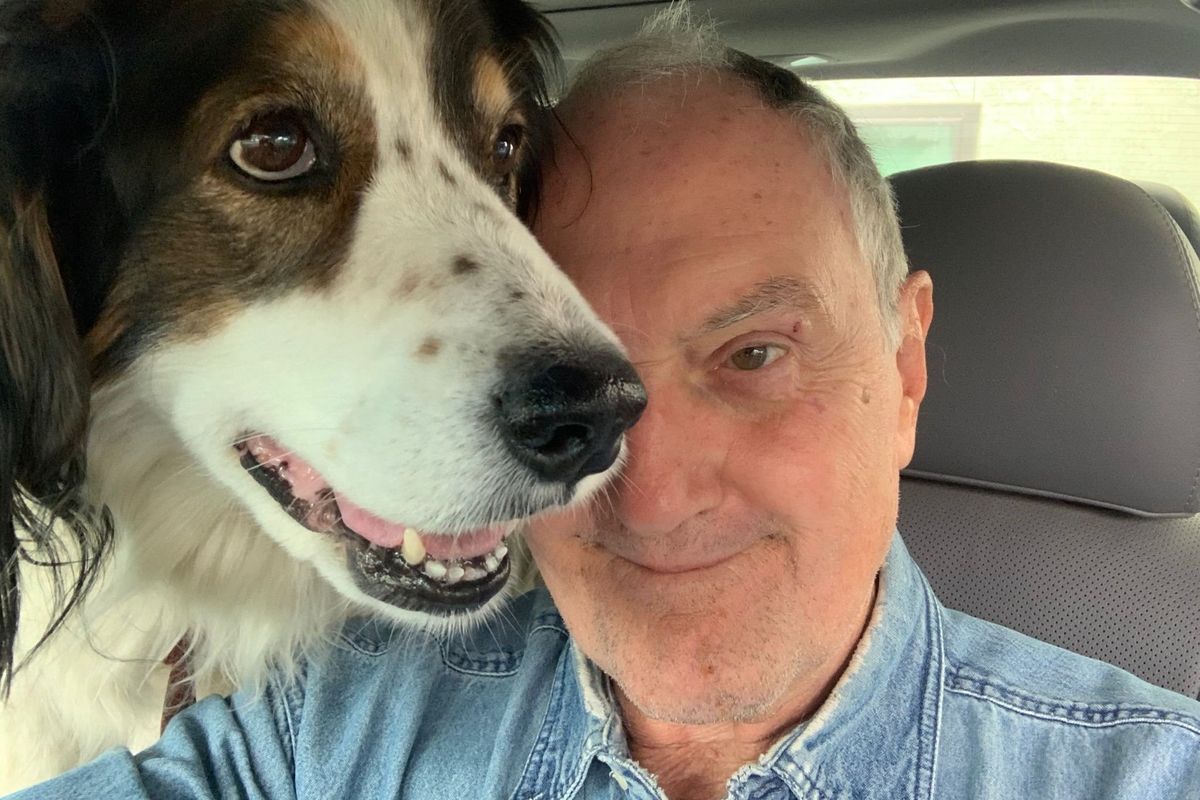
x=934 y=704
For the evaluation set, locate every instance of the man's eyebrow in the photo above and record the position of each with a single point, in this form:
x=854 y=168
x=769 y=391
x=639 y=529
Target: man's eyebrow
x=784 y=292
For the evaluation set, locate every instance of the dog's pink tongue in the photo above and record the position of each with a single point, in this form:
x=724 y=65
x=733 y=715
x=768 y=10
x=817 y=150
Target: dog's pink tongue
x=372 y=528
x=308 y=484
x=442 y=547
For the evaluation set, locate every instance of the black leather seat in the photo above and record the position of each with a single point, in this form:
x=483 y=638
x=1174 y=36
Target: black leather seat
x=1179 y=207
x=1055 y=483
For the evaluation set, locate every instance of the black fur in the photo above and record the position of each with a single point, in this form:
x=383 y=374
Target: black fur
x=43 y=416
x=86 y=130
x=523 y=41
x=44 y=128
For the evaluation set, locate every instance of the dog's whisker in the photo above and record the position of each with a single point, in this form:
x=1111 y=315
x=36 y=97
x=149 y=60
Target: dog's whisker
x=252 y=436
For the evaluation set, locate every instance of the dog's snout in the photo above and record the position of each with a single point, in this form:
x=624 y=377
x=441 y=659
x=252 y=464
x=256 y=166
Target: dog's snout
x=563 y=417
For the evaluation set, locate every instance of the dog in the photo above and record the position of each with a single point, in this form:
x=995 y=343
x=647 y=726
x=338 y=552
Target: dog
x=275 y=346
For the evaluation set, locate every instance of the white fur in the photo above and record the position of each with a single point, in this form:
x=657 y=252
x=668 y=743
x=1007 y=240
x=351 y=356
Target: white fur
x=200 y=548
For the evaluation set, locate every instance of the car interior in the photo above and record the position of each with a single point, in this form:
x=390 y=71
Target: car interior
x=1054 y=487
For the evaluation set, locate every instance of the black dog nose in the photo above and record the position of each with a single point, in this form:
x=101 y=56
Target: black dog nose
x=563 y=416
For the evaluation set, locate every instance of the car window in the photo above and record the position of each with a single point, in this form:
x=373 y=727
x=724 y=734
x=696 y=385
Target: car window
x=1141 y=128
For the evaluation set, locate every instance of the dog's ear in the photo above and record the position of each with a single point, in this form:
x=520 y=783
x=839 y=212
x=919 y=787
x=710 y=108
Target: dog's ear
x=43 y=422
x=45 y=130
x=526 y=44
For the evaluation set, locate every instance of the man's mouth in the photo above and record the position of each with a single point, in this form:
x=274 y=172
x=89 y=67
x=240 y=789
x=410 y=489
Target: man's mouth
x=390 y=561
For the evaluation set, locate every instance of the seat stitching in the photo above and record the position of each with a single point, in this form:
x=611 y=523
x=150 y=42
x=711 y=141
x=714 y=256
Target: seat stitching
x=1190 y=279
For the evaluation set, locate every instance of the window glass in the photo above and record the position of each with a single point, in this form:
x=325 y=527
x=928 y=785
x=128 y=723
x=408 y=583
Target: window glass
x=1140 y=128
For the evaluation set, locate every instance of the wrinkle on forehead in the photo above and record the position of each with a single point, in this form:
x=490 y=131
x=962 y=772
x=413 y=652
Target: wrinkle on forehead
x=772 y=294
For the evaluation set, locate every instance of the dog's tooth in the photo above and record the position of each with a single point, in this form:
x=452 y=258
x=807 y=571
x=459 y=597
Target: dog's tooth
x=413 y=549
x=491 y=563
x=454 y=574
x=435 y=569
x=473 y=574
x=327 y=515
x=500 y=552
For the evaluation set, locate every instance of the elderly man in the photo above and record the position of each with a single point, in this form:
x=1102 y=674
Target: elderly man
x=728 y=223
x=743 y=620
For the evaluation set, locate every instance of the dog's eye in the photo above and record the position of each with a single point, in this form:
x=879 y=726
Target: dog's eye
x=274 y=147
x=505 y=148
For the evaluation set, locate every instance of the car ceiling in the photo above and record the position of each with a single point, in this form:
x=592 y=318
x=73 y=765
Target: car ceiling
x=878 y=38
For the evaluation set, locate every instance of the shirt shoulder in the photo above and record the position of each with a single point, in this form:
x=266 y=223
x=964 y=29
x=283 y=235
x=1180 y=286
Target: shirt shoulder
x=500 y=639
x=385 y=710
x=1048 y=722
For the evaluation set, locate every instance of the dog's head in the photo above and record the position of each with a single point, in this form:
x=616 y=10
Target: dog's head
x=289 y=229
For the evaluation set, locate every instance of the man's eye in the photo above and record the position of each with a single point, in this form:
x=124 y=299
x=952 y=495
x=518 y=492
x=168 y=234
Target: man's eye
x=755 y=357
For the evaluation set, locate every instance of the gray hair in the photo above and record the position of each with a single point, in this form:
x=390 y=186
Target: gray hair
x=671 y=44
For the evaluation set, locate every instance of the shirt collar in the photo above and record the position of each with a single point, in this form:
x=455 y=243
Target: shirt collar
x=876 y=733
x=874 y=736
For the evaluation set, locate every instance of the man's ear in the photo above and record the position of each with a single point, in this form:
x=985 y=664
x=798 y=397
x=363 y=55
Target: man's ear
x=915 y=311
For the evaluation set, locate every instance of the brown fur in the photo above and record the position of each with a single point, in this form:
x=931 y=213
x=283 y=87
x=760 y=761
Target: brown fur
x=216 y=246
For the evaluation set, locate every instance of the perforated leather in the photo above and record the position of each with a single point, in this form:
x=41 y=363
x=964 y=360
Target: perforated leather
x=1122 y=589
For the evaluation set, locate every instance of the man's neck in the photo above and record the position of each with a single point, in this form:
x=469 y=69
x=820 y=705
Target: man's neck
x=695 y=762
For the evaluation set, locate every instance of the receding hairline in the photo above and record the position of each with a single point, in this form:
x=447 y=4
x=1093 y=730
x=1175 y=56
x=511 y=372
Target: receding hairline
x=665 y=102
x=673 y=43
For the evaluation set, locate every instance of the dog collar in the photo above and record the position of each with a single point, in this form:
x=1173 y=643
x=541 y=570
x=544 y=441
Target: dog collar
x=181 y=689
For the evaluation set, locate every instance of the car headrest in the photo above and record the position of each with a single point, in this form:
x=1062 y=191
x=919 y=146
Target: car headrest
x=1064 y=357
x=1179 y=207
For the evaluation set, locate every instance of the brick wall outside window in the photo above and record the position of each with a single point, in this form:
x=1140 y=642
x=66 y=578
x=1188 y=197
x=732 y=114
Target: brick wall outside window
x=1140 y=128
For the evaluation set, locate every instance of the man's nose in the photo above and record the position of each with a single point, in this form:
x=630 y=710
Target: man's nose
x=563 y=417
x=672 y=469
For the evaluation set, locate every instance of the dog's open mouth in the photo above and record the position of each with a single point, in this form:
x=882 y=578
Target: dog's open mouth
x=390 y=561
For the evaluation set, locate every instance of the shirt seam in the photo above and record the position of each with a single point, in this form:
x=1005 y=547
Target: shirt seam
x=1141 y=716
x=484 y=665
x=363 y=643
x=534 y=775
x=802 y=785
x=365 y=639
x=1182 y=246
x=935 y=617
x=292 y=695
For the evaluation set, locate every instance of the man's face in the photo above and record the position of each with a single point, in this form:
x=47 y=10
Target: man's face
x=736 y=556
